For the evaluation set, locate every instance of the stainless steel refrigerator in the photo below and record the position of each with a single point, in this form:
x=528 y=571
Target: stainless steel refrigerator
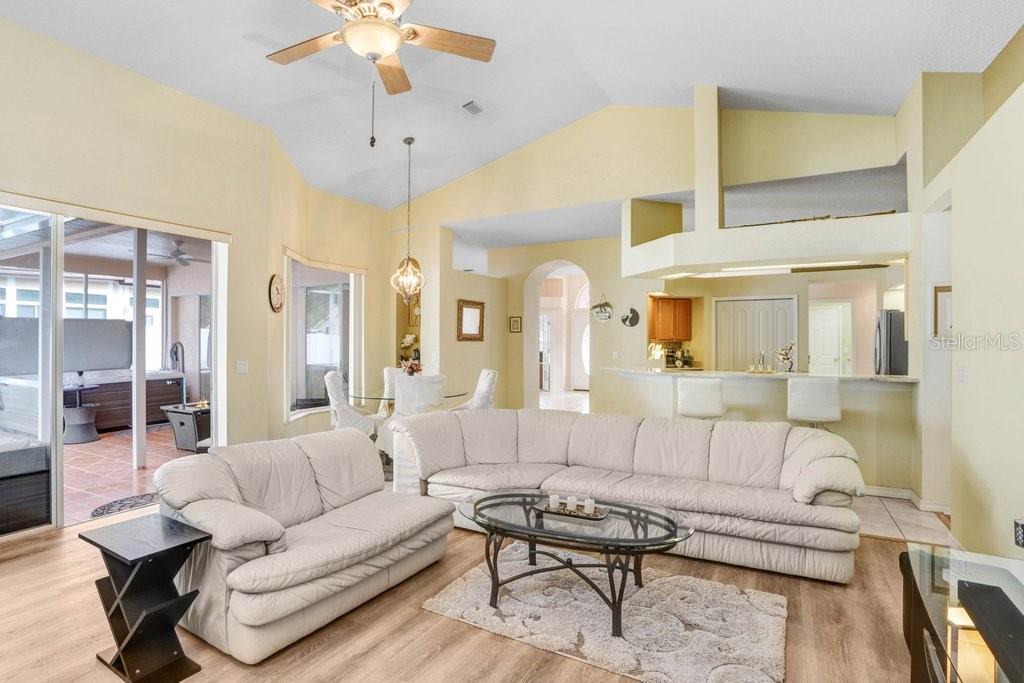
x=890 y=343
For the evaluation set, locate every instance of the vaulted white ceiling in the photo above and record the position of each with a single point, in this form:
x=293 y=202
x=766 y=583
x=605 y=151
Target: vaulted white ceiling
x=555 y=62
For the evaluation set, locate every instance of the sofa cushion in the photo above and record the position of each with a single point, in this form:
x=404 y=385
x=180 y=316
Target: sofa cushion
x=828 y=474
x=688 y=495
x=340 y=538
x=256 y=609
x=578 y=479
x=678 y=447
x=544 y=435
x=819 y=538
x=195 y=477
x=488 y=436
x=345 y=464
x=804 y=446
x=232 y=524
x=274 y=477
x=496 y=477
x=747 y=453
x=604 y=441
x=436 y=440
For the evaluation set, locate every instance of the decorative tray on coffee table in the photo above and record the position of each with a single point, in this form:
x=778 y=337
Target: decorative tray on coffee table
x=598 y=514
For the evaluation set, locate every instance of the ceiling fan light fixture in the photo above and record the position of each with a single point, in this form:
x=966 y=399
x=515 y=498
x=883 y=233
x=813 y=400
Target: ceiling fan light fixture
x=372 y=38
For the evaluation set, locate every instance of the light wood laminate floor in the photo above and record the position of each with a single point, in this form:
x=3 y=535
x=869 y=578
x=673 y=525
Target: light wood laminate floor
x=51 y=624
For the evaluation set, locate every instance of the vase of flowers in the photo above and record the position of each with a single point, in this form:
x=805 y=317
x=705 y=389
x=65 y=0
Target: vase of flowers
x=785 y=357
x=411 y=367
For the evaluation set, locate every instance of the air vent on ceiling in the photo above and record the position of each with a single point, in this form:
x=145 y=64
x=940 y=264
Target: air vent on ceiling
x=473 y=108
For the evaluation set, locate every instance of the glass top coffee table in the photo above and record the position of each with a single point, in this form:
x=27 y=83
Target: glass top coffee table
x=623 y=534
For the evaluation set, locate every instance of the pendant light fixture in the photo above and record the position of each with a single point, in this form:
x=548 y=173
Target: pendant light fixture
x=408 y=280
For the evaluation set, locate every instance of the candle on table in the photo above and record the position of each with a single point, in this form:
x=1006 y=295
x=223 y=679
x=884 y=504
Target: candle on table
x=553 y=501
x=571 y=503
x=588 y=506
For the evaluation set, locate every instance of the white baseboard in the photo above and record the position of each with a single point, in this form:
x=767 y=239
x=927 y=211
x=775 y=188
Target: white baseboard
x=888 y=492
x=930 y=505
x=907 y=494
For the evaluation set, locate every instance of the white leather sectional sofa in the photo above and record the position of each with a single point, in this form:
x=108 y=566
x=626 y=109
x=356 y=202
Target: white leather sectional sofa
x=302 y=533
x=759 y=494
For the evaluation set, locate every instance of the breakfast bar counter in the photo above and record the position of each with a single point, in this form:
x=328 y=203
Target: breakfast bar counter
x=878 y=411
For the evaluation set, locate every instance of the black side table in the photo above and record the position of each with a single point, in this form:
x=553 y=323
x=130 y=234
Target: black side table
x=141 y=602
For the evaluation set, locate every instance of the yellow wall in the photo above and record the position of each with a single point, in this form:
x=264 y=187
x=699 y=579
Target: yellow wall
x=1004 y=75
x=758 y=146
x=651 y=220
x=599 y=259
x=93 y=134
x=952 y=113
x=462 y=361
x=616 y=152
x=988 y=237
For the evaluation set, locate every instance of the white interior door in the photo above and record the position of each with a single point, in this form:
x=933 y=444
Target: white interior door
x=581 y=350
x=824 y=325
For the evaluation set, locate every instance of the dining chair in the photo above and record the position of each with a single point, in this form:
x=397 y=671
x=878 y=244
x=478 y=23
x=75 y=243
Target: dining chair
x=390 y=375
x=416 y=394
x=344 y=414
x=483 y=396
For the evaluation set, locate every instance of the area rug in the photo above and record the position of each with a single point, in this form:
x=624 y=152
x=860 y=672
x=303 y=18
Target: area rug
x=122 y=504
x=675 y=628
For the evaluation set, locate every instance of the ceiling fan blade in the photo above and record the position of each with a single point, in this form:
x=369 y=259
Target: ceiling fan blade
x=393 y=75
x=306 y=48
x=452 y=42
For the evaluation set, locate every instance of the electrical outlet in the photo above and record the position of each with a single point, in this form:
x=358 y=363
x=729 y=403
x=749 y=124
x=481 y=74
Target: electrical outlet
x=615 y=355
x=961 y=375
x=241 y=367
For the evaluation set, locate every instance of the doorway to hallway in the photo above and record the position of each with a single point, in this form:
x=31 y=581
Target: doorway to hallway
x=562 y=376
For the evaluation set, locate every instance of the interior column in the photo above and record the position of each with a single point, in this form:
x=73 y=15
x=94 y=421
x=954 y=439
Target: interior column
x=139 y=351
x=709 y=200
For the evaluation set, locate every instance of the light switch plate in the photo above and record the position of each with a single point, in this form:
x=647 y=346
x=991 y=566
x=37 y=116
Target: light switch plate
x=961 y=375
x=241 y=367
x=615 y=355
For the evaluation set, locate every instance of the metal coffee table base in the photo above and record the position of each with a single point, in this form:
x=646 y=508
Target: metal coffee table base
x=617 y=564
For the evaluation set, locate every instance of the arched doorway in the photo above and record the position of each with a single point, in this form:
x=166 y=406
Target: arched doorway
x=556 y=342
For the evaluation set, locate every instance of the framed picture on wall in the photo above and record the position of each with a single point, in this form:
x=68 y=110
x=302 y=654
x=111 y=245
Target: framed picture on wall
x=470 y=321
x=515 y=324
x=942 y=311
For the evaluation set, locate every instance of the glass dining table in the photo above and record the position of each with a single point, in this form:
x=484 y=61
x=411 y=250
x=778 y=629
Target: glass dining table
x=389 y=401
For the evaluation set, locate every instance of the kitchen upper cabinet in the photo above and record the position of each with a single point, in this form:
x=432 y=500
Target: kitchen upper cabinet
x=669 y=319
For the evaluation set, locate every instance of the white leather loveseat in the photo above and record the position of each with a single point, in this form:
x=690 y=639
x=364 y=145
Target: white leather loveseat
x=759 y=494
x=302 y=533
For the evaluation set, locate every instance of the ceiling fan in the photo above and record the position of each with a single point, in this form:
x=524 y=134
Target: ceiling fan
x=371 y=28
x=178 y=255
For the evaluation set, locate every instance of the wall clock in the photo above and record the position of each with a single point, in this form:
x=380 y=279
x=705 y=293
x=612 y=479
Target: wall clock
x=275 y=292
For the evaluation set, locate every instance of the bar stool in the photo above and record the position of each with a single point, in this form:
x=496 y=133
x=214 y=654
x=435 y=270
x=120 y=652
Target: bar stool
x=700 y=397
x=814 y=400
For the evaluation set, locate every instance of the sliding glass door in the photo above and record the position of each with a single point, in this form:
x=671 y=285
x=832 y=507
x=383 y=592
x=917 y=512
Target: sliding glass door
x=109 y=353
x=26 y=365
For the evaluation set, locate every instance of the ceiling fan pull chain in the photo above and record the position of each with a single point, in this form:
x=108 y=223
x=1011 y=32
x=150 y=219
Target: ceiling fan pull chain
x=373 y=110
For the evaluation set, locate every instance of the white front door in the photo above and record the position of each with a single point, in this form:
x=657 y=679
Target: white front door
x=824 y=325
